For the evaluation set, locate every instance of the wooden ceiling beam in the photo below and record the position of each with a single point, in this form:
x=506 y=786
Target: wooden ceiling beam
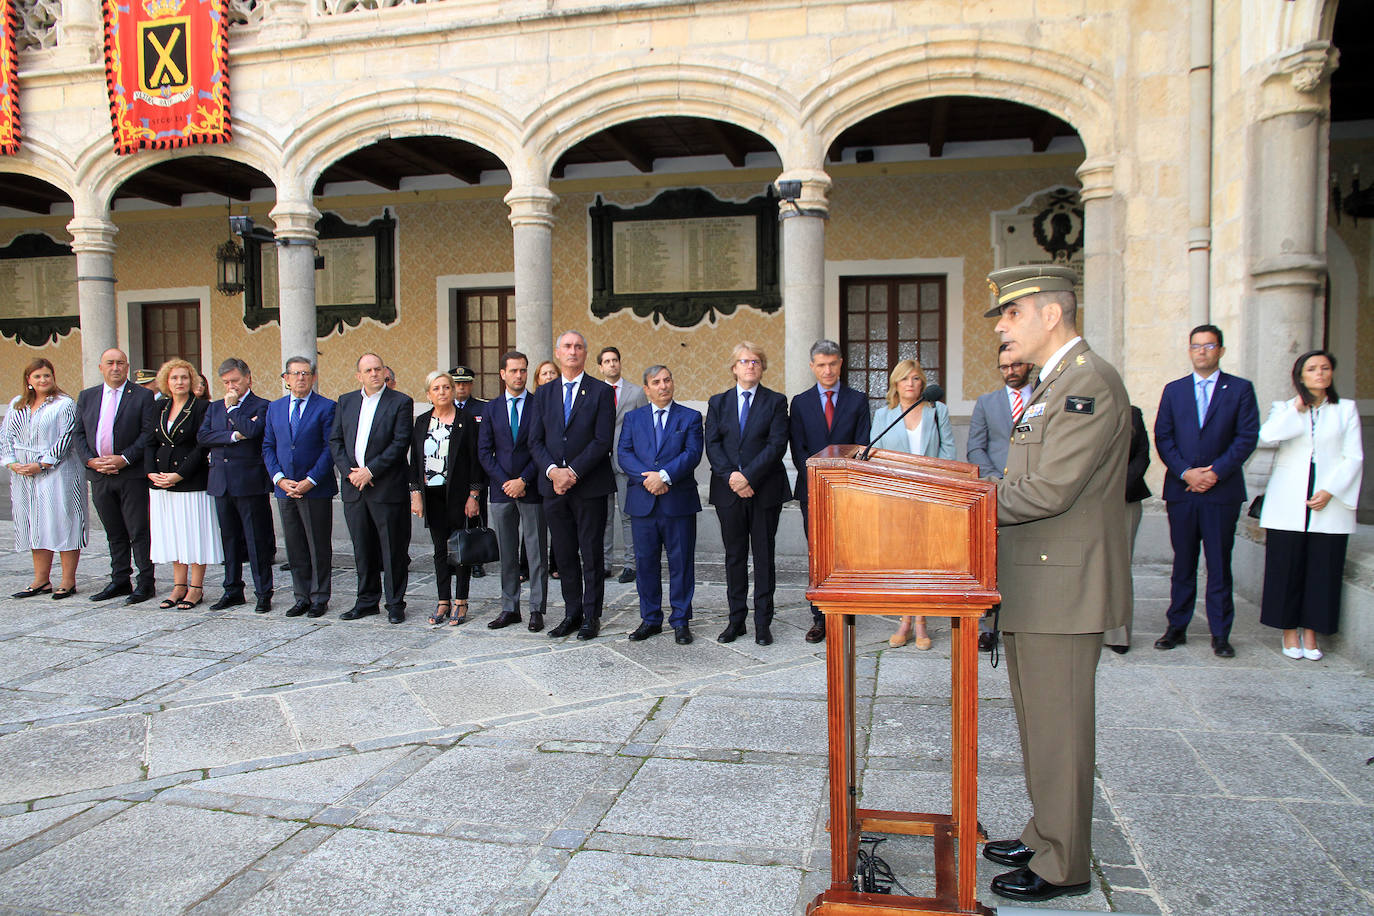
x=431 y=165
x=728 y=147
x=617 y=140
x=939 y=127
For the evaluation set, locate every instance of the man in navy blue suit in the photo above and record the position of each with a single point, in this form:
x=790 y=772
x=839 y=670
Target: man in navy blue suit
x=572 y=422
x=295 y=448
x=1206 y=427
x=516 y=509
x=746 y=436
x=828 y=414
x=238 y=481
x=660 y=446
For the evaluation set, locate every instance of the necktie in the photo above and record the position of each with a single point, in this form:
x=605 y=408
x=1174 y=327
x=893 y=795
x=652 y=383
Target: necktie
x=615 y=389
x=744 y=411
x=1018 y=405
x=658 y=428
x=1204 y=390
x=104 y=434
x=514 y=418
x=295 y=415
x=568 y=399
x=829 y=409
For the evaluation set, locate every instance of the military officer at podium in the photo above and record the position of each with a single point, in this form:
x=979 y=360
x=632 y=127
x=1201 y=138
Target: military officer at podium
x=1063 y=569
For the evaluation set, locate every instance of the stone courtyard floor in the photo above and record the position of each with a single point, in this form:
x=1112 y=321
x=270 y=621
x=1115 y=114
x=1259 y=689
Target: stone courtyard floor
x=223 y=762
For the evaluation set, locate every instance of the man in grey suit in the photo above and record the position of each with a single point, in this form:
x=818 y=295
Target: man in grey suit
x=1064 y=567
x=989 y=434
x=627 y=398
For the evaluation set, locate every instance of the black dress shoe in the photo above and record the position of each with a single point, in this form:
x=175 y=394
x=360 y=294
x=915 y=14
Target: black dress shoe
x=731 y=633
x=227 y=601
x=478 y=572
x=1119 y=650
x=589 y=630
x=626 y=575
x=1221 y=647
x=285 y=567
x=1173 y=636
x=607 y=572
x=503 y=619
x=263 y=606
x=536 y=622
x=682 y=635
x=763 y=635
x=644 y=631
x=138 y=596
x=1008 y=852
x=112 y=590
x=986 y=641
x=816 y=633
x=357 y=613
x=566 y=626
x=395 y=615
x=318 y=610
x=297 y=609
x=1024 y=884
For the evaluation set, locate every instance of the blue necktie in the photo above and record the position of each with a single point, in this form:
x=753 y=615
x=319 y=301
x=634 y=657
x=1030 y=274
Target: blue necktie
x=744 y=411
x=567 y=400
x=658 y=429
x=1204 y=390
x=514 y=419
x=295 y=415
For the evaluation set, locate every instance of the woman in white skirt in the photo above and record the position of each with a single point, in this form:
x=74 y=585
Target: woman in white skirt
x=185 y=525
x=47 y=490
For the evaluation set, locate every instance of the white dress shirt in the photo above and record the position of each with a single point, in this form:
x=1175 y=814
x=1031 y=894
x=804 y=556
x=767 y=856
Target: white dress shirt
x=366 y=413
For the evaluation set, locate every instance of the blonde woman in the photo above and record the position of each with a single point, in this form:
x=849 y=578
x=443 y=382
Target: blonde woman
x=924 y=431
x=543 y=373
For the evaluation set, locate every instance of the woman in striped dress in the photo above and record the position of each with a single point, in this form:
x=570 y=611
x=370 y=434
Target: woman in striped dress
x=47 y=491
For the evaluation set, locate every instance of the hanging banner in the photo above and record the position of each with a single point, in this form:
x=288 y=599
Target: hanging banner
x=166 y=69
x=9 y=81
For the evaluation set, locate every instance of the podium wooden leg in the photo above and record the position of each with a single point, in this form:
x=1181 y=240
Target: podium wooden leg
x=965 y=756
x=844 y=825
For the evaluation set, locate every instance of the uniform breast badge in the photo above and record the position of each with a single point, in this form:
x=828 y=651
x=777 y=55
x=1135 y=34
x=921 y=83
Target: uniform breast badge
x=1080 y=405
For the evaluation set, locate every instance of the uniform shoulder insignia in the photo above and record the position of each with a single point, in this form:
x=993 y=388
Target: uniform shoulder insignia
x=1075 y=404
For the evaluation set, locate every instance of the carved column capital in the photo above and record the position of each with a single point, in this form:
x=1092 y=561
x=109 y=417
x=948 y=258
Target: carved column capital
x=92 y=235
x=295 y=219
x=815 y=194
x=1298 y=80
x=531 y=205
x=1097 y=176
x=1309 y=65
x=285 y=21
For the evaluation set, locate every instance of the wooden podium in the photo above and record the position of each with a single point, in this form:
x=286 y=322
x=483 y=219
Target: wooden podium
x=901 y=534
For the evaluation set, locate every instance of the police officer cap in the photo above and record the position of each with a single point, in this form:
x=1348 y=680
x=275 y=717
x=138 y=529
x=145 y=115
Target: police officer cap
x=1011 y=283
x=461 y=374
x=144 y=376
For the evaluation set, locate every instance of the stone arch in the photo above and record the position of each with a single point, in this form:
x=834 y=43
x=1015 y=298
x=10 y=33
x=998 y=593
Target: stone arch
x=738 y=93
x=1304 y=21
x=100 y=171
x=889 y=74
x=337 y=127
x=38 y=159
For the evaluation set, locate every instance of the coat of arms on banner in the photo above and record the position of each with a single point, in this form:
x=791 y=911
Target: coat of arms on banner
x=1047 y=228
x=9 y=81
x=166 y=68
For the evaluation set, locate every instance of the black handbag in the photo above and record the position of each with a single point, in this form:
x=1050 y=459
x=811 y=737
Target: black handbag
x=1256 y=506
x=469 y=546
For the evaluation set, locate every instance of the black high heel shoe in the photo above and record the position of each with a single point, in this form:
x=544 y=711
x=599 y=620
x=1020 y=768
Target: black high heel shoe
x=185 y=605
x=172 y=601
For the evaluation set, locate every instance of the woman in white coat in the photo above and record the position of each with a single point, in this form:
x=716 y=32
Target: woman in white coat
x=924 y=431
x=1309 y=505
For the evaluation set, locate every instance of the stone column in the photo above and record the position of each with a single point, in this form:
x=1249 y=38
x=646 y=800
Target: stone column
x=93 y=243
x=531 y=218
x=296 y=235
x=80 y=34
x=803 y=272
x=1288 y=216
x=284 y=21
x=1101 y=317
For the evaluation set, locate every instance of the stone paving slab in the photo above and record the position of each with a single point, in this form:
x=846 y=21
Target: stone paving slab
x=200 y=737
x=59 y=759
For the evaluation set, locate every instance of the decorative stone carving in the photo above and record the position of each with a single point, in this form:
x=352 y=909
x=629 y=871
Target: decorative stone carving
x=38 y=21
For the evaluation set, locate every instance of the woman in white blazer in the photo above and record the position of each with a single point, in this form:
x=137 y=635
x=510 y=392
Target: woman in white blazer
x=1309 y=505
x=924 y=431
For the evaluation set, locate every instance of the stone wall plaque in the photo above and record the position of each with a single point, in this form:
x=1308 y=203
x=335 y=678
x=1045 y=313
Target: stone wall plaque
x=38 y=297
x=1046 y=228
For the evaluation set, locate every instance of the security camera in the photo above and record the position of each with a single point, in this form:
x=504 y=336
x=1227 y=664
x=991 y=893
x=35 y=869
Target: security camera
x=241 y=225
x=789 y=189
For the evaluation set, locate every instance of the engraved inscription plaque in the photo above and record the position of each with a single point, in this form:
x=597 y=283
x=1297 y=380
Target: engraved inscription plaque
x=685 y=255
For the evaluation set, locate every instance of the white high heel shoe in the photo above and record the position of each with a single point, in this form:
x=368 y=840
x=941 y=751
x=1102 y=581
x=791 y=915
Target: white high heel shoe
x=1312 y=654
x=1292 y=651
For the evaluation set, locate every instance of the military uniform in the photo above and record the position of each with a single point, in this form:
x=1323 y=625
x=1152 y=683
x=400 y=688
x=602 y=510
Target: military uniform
x=1064 y=572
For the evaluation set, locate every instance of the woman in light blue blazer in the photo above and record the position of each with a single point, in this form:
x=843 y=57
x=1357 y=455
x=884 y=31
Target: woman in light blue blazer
x=924 y=431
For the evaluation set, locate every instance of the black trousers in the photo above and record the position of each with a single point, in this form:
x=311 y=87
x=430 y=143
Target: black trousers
x=576 y=526
x=247 y=533
x=1303 y=571
x=440 y=527
x=308 y=525
x=746 y=526
x=381 y=547
x=816 y=616
x=121 y=502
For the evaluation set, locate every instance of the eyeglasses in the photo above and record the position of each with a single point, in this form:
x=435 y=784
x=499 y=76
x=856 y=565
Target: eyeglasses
x=1012 y=367
x=747 y=362
x=1207 y=347
x=299 y=373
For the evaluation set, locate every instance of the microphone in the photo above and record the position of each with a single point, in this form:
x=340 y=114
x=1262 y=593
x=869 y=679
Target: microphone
x=931 y=394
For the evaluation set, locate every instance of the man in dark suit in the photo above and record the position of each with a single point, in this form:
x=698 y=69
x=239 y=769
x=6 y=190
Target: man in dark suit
x=1207 y=425
x=660 y=446
x=233 y=429
x=370 y=442
x=628 y=396
x=989 y=434
x=517 y=511
x=828 y=414
x=463 y=400
x=295 y=448
x=570 y=438
x=109 y=440
x=746 y=436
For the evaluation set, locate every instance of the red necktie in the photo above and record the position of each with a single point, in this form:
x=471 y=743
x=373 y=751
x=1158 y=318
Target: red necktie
x=615 y=389
x=1017 y=407
x=829 y=409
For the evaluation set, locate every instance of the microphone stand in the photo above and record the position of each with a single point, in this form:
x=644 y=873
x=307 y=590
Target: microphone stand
x=864 y=455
